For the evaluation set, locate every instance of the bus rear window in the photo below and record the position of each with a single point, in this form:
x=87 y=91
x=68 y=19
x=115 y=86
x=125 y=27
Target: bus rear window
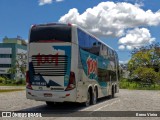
x=53 y=33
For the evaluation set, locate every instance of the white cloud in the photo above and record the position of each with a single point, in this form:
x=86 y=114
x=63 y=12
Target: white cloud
x=121 y=47
x=130 y=47
x=136 y=38
x=123 y=62
x=26 y=40
x=43 y=2
x=138 y=3
x=112 y=19
x=59 y=0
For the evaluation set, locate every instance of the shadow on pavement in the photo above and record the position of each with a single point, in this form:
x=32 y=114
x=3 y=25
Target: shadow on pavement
x=62 y=109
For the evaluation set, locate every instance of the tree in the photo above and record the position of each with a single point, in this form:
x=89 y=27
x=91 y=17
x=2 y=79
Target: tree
x=140 y=59
x=145 y=63
x=12 y=70
x=146 y=75
x=20 y=64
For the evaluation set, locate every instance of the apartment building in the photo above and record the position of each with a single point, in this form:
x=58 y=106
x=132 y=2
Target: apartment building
x=11 y=51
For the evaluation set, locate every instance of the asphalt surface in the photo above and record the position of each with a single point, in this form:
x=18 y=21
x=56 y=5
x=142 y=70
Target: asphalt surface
x=125 y=100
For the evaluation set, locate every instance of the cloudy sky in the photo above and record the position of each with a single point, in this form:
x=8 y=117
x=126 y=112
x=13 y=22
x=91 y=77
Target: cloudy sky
x=122 y=24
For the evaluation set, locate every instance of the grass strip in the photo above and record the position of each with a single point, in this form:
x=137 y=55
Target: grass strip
x=11 y=84
x=10 y=90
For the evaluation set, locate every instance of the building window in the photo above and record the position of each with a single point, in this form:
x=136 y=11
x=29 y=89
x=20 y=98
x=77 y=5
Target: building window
x=5 y=65
x=5 y=56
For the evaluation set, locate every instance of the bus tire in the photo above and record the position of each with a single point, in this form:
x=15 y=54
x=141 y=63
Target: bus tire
x=115 y=88
x=94 y=96
x=88 y=102
x=113 y=92
x=50 y=103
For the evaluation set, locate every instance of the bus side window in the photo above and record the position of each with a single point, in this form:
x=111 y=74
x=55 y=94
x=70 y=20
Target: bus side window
x=107 y=78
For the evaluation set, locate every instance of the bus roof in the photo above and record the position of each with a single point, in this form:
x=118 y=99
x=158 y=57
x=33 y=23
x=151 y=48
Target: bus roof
x=75 y=25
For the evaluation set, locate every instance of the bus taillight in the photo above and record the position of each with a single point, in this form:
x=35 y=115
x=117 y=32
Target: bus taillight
x=72 y=82
x=69 y=24
x=28 y=85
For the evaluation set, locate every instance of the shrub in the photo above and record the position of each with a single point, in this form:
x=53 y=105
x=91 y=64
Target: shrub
x=2 y=79
x=7 y=81
x=19 y=82
x=13 y=81
x=147 y=75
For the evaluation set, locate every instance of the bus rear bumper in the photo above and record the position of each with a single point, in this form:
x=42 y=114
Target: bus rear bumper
x=65 y=96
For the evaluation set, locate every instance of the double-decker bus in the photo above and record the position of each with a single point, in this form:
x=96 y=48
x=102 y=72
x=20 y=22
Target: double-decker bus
x=68 y=64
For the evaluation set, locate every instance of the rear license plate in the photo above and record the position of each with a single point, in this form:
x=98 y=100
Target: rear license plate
x=47 y=95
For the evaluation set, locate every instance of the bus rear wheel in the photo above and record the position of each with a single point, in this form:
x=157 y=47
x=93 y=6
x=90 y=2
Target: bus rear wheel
x=112 y=92
x=50 y=103
x=87 y=103
x=94 y=98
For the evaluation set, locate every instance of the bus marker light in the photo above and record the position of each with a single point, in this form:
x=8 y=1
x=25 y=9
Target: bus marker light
x=69 y=24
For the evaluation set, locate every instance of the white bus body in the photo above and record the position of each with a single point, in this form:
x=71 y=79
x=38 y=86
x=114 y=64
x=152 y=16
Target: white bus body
x=67 y=64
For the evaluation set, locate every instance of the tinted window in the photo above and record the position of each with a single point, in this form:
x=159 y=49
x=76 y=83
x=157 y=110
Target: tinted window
x=51 y=32
x=113 y=75
x=88 y=43
x=103 y=75
x=106 y=75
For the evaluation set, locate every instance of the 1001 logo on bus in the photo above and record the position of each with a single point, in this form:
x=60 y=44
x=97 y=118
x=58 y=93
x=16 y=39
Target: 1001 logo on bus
x=42 y=59
x=91 y=66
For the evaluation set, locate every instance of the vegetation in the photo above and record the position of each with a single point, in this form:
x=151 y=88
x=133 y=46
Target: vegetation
x=20 y=65
x=2 y=79
x=10 y=90
x=128 y=84
x=9 y=82
x=144 y=68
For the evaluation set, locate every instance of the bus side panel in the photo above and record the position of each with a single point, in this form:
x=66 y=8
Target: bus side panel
x=88 y=78
x=86 y=81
